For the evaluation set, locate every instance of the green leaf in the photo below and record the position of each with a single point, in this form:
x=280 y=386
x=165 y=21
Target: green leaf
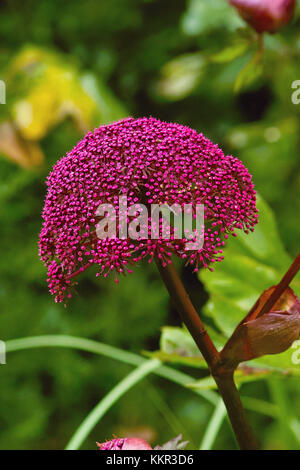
x=50 y=88
x=242 y=375
x=180 y=76
x=248 y=76
x=230 y=53
x=179 y=341
x=178 y=347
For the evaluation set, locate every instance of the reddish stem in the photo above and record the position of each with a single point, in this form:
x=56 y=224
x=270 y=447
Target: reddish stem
x=79 y=271
x=222 y=376
x=281 y=287
x=188 y=313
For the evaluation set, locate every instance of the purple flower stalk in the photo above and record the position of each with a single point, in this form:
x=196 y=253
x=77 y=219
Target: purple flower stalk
x=151 y=162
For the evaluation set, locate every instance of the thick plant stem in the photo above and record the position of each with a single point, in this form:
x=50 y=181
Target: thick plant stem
x=236 y=412
x=223 y=377
x=188 y=313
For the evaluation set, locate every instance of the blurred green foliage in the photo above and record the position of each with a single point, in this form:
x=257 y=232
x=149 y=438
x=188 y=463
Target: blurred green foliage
x=74 y=65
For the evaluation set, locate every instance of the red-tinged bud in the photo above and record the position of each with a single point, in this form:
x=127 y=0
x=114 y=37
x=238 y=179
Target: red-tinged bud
x=128 y=443
x=271 y=333
x=135 y=443
x=265 y=15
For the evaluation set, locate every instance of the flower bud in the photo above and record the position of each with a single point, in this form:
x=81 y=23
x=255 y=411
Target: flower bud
x=265 y=15
x=271 y=333
x=128 y=443
x=135 y=443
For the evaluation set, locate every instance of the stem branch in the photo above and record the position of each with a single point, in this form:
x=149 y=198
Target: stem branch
x=281 y=287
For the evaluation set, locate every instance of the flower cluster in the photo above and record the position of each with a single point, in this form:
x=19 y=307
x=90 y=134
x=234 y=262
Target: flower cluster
x=151 y=162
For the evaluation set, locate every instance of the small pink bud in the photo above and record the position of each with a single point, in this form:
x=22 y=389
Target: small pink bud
x=265 y=15
x=128 y=443
x=271 y=333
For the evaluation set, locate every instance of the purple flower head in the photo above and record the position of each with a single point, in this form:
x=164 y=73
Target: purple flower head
x=151 y=162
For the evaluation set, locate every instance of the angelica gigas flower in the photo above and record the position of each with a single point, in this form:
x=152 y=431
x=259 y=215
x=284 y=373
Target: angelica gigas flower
x=151 y=162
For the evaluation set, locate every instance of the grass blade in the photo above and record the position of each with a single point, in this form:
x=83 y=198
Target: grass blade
x=214 y=426
x=106 y=350
x=109 y=400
